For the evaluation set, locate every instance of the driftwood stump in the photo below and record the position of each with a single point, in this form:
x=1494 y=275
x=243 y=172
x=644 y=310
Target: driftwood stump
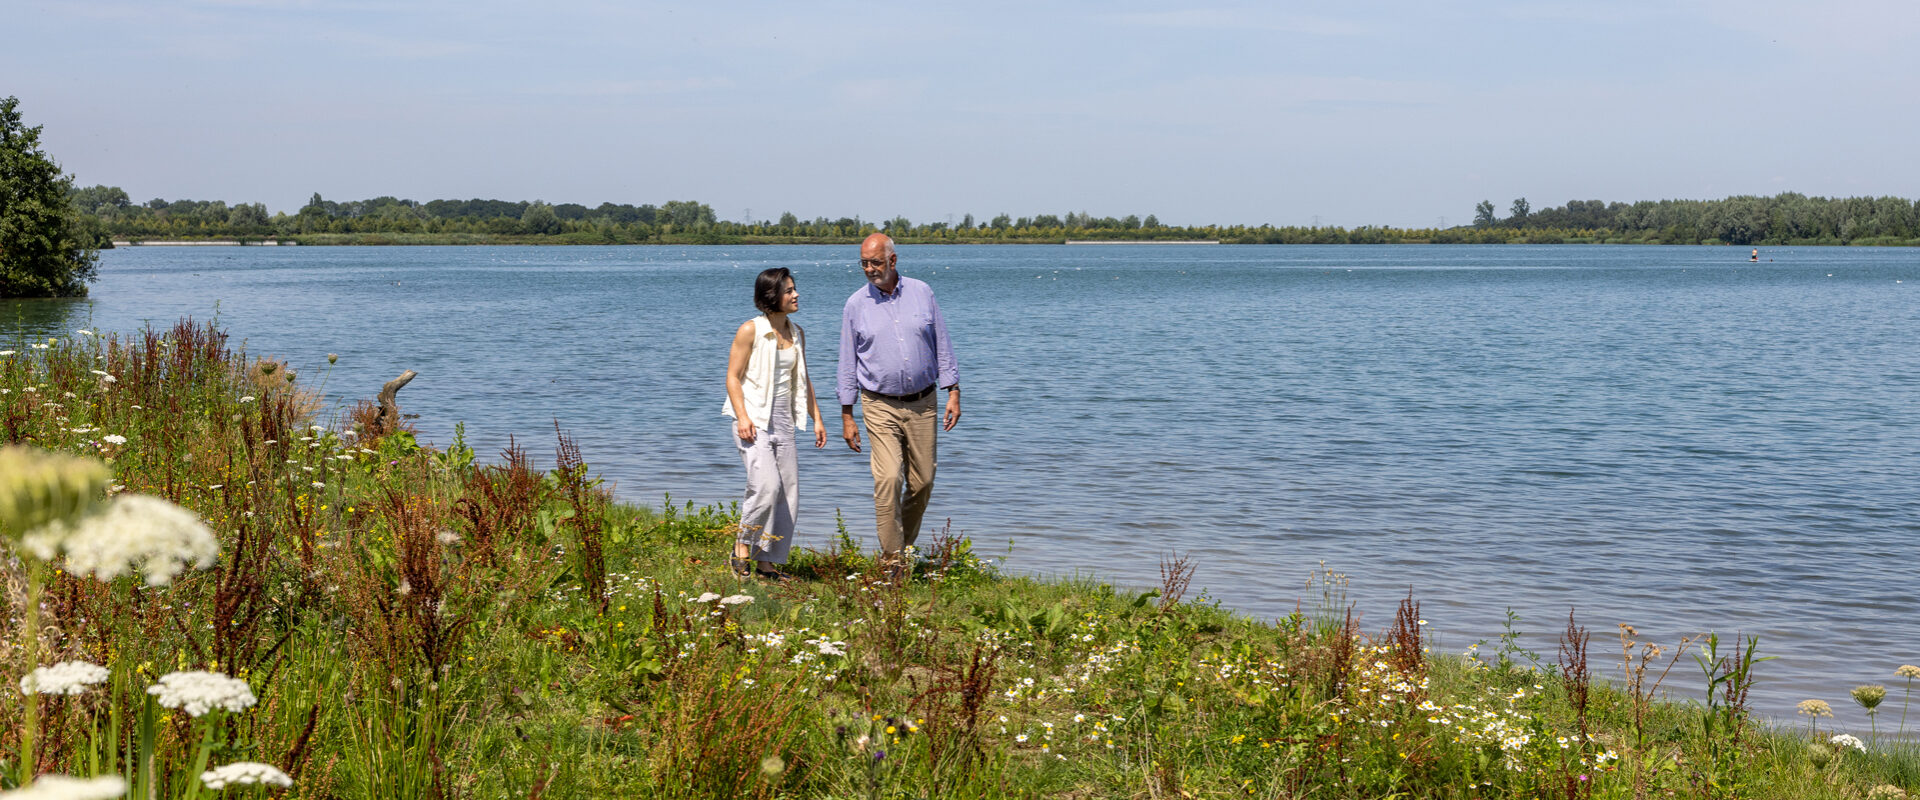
x=389 y=405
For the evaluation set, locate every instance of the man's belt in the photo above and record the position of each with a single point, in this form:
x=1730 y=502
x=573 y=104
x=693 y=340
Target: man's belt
x=901 y=398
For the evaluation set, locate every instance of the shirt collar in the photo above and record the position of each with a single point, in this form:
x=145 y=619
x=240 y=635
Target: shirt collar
x=899 y=285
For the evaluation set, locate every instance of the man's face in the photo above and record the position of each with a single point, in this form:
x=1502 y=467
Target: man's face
x=878 y=264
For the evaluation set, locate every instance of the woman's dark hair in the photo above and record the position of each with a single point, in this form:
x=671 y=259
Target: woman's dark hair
x=768 y=287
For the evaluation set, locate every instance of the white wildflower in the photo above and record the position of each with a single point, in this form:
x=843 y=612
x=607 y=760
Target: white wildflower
x=66 y=677
x=243 y=773
x=706 y=598
x=61 y=787
x=114 y=438
x=447 y=537
x=200 y=692
x=83 y=332
x=158 y=536
x=6 y=352
x=1848 y=740
x=247 y=399
x=319 y=485
x=737 y=599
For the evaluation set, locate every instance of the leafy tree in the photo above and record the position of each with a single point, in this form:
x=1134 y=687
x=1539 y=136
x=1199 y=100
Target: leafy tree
x=1151 y=221
x=788 y=220
x=1001 y=222
x=540 y=219
x=686 y=213
x=247 y=216
x=101 y=200
x=44 y=252
x=966 y=223
x=1518 y=213
x=1483 y=214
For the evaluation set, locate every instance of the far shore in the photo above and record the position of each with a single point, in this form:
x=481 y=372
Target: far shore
x=475 y=239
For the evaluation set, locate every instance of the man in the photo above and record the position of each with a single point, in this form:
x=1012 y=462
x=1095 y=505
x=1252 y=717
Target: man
x=894 y=353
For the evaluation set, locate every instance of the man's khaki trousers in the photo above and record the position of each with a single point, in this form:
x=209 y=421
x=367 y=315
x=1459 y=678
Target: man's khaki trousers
x=901 y=438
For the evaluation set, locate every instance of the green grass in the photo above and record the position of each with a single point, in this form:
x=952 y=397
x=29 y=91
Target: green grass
x=417 y=624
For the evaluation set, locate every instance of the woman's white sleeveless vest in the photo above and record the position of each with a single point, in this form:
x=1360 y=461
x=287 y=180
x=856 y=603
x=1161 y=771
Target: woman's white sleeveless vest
x=756 y=387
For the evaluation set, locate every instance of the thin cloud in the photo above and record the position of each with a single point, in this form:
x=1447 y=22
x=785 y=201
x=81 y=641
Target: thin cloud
x=634 y=88
x=1228 y=19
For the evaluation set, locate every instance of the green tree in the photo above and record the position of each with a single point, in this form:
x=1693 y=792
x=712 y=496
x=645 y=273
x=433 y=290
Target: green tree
x=686 y=213
x=1518 y=213
x=246 y=217
x=1151 y=222
x=1483 y=214
x=43 y=250
x=788 y=220
x=540 y=219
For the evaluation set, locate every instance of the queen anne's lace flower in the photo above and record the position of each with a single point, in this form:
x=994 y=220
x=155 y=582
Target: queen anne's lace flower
x=242 y=773
x=157 y=536
x=114 y=438
x=61 y=787
x=706 y=598
x=200 y=692
x=737 y=599
x=1846 y=740
x=66 y=677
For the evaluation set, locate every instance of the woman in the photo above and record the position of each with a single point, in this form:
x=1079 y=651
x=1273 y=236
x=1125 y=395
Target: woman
x=769 y=396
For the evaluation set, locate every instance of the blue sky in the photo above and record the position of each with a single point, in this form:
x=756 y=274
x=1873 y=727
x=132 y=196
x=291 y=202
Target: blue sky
x=1353 y=112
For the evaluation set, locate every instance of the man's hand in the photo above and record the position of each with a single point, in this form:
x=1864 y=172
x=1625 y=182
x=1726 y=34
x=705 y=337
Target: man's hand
x=848 y=429
x=744 y=429
x=819 y=433
x=953 y=409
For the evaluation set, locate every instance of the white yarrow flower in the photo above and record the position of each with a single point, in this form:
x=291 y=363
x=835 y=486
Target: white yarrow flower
x=66 y=677
x=734 y=600
x=1848 y=740
x=62 y=787
x=114 y=438
x=199 y=692
x=242 y=773
x=706 y=598
x=160 y=537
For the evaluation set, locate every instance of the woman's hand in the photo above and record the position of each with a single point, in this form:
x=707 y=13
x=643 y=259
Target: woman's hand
x=744 y=429
x=819 y=433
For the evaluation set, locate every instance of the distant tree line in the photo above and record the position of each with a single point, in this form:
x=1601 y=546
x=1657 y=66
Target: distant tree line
x=1790 y=218
x=108 y=213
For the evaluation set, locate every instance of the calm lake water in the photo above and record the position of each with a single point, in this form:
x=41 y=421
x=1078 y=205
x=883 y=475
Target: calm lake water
x=1670 y=437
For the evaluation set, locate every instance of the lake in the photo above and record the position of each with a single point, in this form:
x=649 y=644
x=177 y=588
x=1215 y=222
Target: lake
x=1665 y=436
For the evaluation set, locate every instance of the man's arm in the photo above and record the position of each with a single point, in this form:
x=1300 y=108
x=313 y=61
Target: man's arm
x=846 y=385
x=949 y=370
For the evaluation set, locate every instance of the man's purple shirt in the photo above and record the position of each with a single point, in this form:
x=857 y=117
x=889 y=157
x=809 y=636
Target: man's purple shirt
x=894 y=343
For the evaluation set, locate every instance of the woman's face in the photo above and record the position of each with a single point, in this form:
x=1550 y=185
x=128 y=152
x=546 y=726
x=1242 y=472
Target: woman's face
x=790 y=297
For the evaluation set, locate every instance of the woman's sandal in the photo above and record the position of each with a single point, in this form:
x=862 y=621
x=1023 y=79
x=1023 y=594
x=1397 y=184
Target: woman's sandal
x=772 y=574
x=742 y=567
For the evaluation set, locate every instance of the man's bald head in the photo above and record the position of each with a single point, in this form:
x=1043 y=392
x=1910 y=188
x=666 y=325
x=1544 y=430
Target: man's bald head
x=878 y=261
x=876 y=245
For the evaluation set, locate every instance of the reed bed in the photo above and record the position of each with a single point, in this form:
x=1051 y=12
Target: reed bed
x=372 y=618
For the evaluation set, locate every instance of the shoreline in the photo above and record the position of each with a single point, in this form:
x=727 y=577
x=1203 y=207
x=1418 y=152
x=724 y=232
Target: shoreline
x=487 y=240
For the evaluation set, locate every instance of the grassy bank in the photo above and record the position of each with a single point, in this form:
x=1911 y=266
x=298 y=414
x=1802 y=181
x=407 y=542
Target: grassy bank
x=416 y=624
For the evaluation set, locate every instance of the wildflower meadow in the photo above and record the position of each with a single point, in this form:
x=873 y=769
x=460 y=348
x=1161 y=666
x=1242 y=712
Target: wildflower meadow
x=217 y=584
